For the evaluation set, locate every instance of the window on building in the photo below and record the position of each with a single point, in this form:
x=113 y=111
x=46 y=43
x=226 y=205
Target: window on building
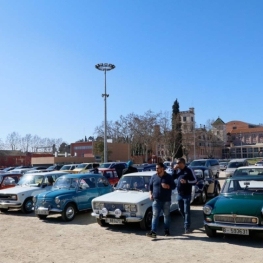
x=184 y=118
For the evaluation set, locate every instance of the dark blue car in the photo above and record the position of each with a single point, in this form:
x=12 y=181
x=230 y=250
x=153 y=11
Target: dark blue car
x=71 y=193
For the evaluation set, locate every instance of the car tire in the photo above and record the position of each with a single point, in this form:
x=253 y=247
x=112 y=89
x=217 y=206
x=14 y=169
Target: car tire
x=27 y=206
x=101 y=222
x=146 y=222
x=42 y=217
x=69 y=212
x=3 y=210
x=210 y=232
x=202 y=198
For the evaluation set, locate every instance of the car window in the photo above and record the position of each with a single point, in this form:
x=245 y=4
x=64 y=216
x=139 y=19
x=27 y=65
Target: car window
x=88 y=182
x=9 y=181
x=103 y=182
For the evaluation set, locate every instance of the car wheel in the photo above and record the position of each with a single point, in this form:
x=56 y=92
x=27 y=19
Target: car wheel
x=146 y=223
x=217 y=190
x=3 y=210
x=210 y=232
x=27 y=206
x=202 y=198
x=69 y=212
x=101 y=222
x=42 y=217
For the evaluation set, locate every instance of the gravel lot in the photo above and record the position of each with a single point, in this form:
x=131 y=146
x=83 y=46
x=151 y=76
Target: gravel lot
x=26 y=239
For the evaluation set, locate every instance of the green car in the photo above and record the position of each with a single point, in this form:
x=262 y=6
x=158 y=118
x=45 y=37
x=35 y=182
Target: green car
x=238 y=209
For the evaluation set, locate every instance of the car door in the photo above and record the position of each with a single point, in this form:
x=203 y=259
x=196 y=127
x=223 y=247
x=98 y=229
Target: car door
x=209 y=181
x=103 y=185
x=87 y=190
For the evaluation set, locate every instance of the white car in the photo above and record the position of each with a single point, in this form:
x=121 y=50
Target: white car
x=129 y=202
x=28 y=186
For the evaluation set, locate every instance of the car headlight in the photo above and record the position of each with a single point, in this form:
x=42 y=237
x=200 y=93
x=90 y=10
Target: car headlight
x=133 y=208
x=127 y=207
x=98 y=206
x=34 y=199
x=57 y=200
x=207 y=209
x=14 y=197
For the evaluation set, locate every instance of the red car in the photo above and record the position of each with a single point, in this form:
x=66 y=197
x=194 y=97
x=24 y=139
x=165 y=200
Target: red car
x=8 y=180
x=110 y=174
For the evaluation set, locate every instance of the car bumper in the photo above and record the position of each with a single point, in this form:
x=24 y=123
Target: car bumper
x=10 y=204
x=127 y=219
x=219 y=226
x=42 y=210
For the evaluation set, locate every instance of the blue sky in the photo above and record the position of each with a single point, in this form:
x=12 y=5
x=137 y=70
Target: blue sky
x=207 y=54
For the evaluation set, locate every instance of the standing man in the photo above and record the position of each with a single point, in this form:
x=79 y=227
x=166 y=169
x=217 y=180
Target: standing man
x=161 y=186
x=185 y=180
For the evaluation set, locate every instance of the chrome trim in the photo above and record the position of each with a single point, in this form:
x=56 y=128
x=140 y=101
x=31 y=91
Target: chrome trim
x=216 y=225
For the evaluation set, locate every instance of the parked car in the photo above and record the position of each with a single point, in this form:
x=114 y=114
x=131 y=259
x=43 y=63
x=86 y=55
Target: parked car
x=110 y=174
x=118 y=166
x=54 y=167
x=248 y=170
x=207 y=185
x=68 y=167
x=152 y=167
x=70 y=194
x=20 y=170
x=129 y=203
x=210 y=163
x=83 y=168
x=8 y=180
x=234 y=164
x=7 y=169
x=238 y=208
x=28 y=186
x=223 y=165
x=260 y=163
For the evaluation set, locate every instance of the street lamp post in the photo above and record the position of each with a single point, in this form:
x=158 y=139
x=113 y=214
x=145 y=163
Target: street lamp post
x=241 y=145
x=105 y=67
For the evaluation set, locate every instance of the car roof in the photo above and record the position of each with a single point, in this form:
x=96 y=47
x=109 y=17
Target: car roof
x=246 y=177
x=145 y=173
x=249 y=166
x=9 y=174
x=79 y=176
x=238 y=160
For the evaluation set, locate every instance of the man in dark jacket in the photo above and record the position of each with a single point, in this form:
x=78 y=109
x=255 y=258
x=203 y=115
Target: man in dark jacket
x=185 y=180
x=129 y=169
x=161 y=186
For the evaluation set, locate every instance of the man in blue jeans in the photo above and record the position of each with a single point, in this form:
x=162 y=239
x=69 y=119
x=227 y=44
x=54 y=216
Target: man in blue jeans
x=161 y=186
x=185 y=180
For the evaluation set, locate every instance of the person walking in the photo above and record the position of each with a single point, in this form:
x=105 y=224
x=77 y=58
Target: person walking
x=129 y=169
x=161 y=186
x=185 y=180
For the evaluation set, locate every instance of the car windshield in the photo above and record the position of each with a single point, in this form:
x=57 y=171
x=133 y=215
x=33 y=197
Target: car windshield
x=248 y=171
x=66 y=167
x=136 y=183
x=105 y=165
x=82 y=165
x=223 y=163
x=66 y=183
x=243 y=185
x=51 y=167
x=197 y=163
x=234 y=164
x=31 y=180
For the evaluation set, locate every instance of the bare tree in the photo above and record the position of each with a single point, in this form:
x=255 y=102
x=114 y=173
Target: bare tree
x=13 y=141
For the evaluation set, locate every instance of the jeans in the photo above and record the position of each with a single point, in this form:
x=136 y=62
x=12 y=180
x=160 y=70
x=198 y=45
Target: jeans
x=184 y=208
x=158 y=207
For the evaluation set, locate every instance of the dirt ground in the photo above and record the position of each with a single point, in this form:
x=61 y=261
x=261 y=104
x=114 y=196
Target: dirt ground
x=26 y=239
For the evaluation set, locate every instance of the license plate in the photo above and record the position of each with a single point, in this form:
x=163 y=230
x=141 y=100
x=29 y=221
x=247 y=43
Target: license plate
x=42 y=212
x=113 y=221
x=235 y=231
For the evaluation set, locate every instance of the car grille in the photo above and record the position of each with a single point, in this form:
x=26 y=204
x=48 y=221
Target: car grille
x=112 y=207
x=236 y=219
x=5 y=196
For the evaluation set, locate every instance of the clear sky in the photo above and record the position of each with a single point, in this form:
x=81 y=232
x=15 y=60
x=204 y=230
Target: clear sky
x=207 y=54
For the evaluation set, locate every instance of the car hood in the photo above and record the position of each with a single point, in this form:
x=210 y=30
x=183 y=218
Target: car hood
x=241 y=205
x=122 y=196
x=19 y=189
x=56 y=192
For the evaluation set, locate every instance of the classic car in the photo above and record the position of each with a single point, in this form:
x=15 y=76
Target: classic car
x=129 y=202
x=68 y=167
x=83 y=168
x=70 y=193
x=110 y=174
x=117 y=166
x=8 y=180
x=238 y=209
x=20 y=196
x=248 y=170
x=152 y=167
x=206 y=185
